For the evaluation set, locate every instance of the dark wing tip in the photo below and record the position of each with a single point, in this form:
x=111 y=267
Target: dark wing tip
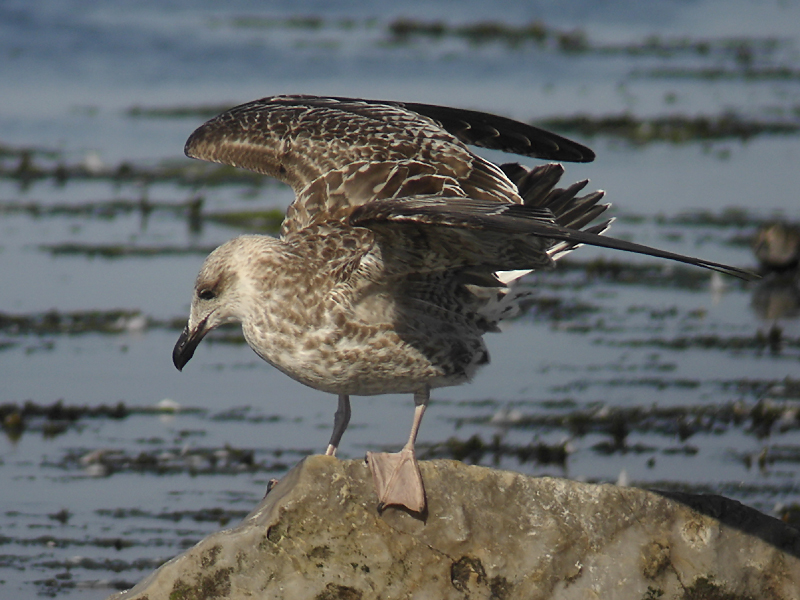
x=501 y=133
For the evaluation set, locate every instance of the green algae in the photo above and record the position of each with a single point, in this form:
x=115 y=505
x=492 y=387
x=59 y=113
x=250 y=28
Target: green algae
x=748 y=74
x=106 y=209
x=474 y=449
x=649 y=274
x=682 y=422
x=673 y=129
x=28 y=168
x=263 y=221
x=70 y=323
x=205 y=111
x=112 y=251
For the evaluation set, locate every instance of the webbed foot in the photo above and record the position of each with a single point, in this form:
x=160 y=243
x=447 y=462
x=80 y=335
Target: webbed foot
x=398 y=481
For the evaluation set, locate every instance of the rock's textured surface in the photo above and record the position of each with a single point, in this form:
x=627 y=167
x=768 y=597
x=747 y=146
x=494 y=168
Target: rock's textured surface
x=488 y=534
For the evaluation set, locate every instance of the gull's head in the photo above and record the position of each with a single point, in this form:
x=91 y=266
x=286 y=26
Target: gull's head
x=221 y=291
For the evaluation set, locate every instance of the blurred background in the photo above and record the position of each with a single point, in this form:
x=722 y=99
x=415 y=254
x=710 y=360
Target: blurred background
x=621 y=369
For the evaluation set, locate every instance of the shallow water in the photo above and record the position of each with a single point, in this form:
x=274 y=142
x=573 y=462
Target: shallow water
x=622 y=367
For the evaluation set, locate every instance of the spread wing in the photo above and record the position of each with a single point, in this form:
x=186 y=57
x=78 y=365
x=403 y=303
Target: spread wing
x=338 y=153
x=434 y=233
x=404 y=171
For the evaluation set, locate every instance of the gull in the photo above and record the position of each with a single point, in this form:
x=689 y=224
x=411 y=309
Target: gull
x=399 y=252
x=777 y=246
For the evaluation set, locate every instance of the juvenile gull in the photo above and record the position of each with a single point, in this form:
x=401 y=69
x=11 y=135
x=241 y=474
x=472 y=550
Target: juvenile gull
x=398 y=253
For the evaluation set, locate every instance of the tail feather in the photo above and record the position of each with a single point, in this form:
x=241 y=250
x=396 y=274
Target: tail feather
x=575 y=215
x=535 y=185
x=537 y=188
x=587 y=217
x=561 y=249
x=559 y=199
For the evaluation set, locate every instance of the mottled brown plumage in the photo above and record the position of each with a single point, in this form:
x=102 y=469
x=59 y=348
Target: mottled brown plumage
x=396 y=255
x=777 y=246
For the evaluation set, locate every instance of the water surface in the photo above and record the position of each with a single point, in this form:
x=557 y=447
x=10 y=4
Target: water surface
x=621 y=368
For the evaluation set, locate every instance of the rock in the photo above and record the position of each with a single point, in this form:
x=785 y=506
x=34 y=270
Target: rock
x=488 y=534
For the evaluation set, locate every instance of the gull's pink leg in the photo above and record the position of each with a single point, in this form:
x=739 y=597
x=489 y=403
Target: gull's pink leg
x=396 y=475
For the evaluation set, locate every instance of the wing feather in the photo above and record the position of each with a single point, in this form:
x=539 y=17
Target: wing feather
x=500 y=133
x=404 y=171
x=502 y=236
x=363 y=147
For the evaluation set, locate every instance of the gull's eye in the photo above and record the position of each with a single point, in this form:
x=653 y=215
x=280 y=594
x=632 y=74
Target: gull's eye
x=206 y=294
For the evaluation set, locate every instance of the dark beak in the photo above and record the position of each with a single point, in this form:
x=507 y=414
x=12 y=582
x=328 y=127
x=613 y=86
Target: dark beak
x=184 y=348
